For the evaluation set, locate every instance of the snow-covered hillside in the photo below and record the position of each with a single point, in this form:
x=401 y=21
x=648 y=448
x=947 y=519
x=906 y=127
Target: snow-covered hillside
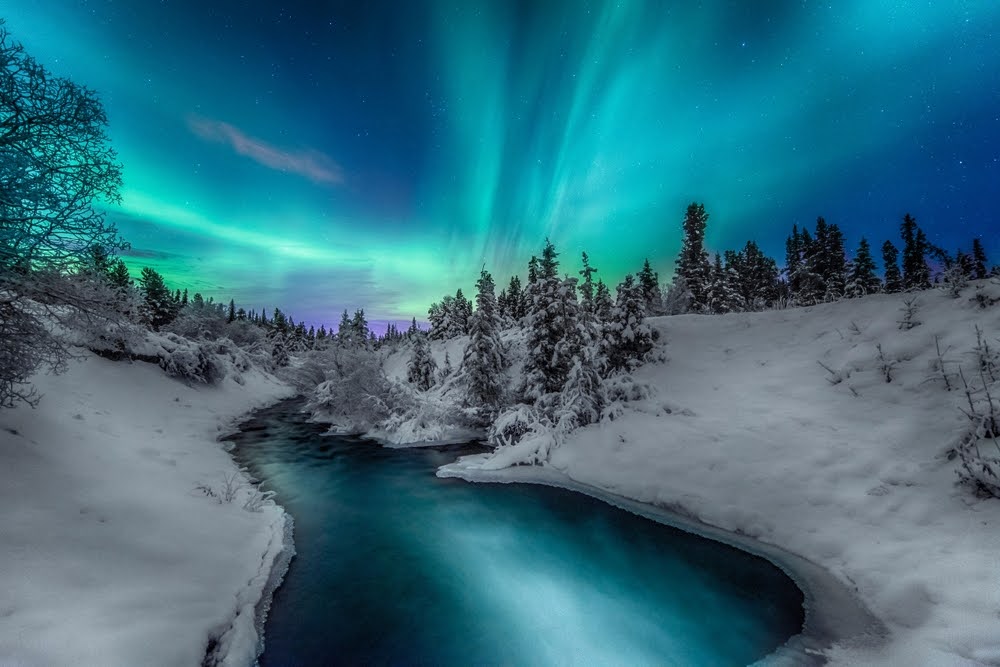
x=111 y=552
x=749 y=433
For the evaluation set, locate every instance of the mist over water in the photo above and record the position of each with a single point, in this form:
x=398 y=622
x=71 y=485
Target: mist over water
x=396 y=566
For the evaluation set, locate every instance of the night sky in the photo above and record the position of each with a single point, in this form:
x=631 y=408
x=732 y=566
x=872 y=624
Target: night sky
x=322 y=155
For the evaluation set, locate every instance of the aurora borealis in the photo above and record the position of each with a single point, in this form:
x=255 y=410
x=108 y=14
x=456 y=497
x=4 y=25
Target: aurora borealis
x=322 y=155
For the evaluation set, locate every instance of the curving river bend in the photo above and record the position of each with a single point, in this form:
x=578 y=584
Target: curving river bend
x=395 y=566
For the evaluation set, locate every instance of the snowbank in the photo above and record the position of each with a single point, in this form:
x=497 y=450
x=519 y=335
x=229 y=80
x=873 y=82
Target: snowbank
x=116 y=544
x=747 y=434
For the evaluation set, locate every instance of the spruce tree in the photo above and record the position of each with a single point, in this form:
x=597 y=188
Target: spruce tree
x=890 y=259
x=359 y=327
x=916 y=274
x=516 y=299
x=119 y=276
x=602 y=302
x=544 y=372
x=587 y=286
x=793 y=261
x=922 y=276
x=862 y=279
x=460 y=315
x=649 y=282
x=835 y=264
x=978 y=260
x=232 y=311
x=420 y=370
x=159 y=307
x=692 y=264
x=627 y=338
x=483 y=362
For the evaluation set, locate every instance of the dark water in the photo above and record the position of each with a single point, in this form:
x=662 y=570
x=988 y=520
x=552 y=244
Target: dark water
x=398 y=567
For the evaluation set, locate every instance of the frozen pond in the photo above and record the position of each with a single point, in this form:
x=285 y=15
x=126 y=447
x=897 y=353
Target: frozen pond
x=396 y=566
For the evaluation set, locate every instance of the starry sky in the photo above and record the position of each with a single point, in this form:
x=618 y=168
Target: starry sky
x=322 y=155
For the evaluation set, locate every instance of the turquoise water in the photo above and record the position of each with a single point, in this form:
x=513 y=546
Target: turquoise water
x=398 y=567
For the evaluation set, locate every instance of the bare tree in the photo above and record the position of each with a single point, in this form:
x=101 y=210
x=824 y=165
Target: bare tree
x=55 y=163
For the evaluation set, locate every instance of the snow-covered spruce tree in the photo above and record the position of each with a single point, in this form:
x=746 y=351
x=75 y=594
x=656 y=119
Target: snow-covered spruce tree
x=890 y=258
x=583 y=397
x=446 y=369
x=159 y=307
x=587 y=286
x=753 y=276
x=649 y=282
x=603 y=302
x=692 y=264
x=544 y=371
x=484 y=361
x=55 y=163
x=793 y=261
x=627 y=338
x=979 y=260
x=862 y=279
x=916 y=274
x=835 y=265
x=421 y=369
x=722 y=297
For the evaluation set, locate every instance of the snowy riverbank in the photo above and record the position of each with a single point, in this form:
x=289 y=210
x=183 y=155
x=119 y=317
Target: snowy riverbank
x=745 y=433
x=111 y=552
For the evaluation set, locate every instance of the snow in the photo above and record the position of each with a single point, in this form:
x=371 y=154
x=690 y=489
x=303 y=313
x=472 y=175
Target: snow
x=745 y=433
x=109 y=552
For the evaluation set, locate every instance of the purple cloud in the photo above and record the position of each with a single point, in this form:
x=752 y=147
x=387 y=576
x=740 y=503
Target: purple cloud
x=312 y=164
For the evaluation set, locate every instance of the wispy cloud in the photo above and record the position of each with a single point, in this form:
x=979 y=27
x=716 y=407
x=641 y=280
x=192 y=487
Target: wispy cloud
x=312 y=164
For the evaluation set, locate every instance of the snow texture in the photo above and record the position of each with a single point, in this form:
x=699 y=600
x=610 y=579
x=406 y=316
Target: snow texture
x=112 y=550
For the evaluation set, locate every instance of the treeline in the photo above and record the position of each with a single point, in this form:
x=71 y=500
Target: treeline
x=816 y=268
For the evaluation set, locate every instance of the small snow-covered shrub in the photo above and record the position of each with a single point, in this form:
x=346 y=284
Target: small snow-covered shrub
x=522 y=436
x=189 y=361
x=909 y=319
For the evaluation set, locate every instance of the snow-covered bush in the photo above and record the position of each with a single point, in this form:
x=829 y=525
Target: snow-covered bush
x=189 y=360
x=522 y=436
x=356 y=394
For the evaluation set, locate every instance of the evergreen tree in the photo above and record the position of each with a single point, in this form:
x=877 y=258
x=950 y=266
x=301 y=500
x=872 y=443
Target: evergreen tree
x=414 y=329
x=232 y=312
x=159 y=308
x=544 y=372
x=483 y=363
x=278 y=321
x=460 y=315
x=420 y=370
x=602 y=302
x=446 y=369
x=692 y=264
x=516 y=299
x=627 y=338
x=978 y=260
x=753 y=277
x=345 y=331
x=793 y=261
x=922 y=276
x=587 y=286
x=717 y=277
x=835 y=265
x=862 y=279
x=916 y=275
x=890 y=258
x=119 y=276
x=649 y=282
x=359 y=327
x=532 y=270
x=184 y=297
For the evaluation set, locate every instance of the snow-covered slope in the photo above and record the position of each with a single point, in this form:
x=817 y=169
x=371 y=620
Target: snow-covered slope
x=746 y=433
x=109 y=552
